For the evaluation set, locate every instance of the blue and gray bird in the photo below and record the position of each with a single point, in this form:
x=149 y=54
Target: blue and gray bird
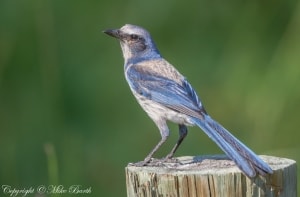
x=166 y=95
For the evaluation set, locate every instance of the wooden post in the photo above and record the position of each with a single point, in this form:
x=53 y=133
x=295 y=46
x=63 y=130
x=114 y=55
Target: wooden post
x=209 y=176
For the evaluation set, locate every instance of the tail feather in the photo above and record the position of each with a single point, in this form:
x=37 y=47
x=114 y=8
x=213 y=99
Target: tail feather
x=244 y=158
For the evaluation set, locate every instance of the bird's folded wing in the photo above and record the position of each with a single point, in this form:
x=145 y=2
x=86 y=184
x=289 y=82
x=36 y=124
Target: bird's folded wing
x=169 y=93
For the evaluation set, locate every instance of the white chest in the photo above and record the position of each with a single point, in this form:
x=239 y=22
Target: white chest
x=157 y=111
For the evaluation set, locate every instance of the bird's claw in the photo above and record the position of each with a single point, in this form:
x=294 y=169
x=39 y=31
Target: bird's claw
x=169 y=159
x=141 y=163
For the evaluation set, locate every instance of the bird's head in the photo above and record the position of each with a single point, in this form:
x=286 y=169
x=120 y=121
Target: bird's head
x=136 y=42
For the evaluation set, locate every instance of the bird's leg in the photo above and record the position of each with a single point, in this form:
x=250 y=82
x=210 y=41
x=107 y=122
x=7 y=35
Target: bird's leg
x=182 y=134
x=149 y=156
x=164 y=132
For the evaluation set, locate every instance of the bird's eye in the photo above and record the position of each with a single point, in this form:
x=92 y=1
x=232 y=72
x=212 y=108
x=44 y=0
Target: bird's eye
x=134 y=37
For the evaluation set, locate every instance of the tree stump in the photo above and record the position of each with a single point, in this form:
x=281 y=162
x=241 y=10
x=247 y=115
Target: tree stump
x=209 y=176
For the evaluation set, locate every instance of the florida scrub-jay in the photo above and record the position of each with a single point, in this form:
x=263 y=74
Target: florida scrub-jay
x=167 y=96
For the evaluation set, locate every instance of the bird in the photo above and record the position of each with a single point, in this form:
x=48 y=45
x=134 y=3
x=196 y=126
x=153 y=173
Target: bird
x=166 y=95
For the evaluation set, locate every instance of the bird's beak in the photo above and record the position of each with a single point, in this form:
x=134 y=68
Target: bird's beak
x=113 y=33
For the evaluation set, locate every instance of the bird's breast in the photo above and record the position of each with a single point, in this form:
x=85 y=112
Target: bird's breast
x=157 y=111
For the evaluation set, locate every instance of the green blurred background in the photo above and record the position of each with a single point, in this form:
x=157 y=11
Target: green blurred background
x=68 y=117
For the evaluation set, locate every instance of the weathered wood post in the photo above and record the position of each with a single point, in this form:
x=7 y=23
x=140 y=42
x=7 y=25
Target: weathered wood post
x=210 y=176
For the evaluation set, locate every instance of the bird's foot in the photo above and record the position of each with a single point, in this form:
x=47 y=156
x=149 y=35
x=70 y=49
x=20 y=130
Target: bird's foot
x=141 y=163
x=156 y=162
x=152 y=162
x=147 y=161
x=169 y=159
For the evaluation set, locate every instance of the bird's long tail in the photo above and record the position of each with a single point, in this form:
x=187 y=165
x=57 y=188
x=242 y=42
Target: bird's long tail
x=244 y=158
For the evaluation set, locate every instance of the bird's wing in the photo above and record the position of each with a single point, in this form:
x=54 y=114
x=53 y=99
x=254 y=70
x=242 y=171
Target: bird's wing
x=163 y=90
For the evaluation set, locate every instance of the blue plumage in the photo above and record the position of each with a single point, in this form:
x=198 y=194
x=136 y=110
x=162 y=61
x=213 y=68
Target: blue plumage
x=167 y=96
